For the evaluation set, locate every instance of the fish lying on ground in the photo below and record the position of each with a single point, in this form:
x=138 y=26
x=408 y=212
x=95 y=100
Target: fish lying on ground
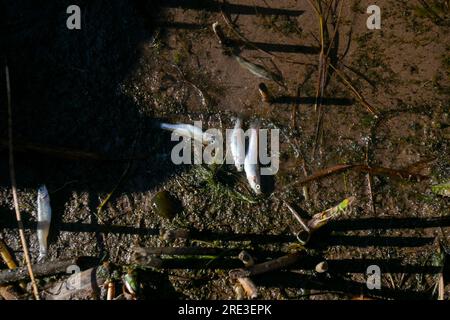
x=259 y=70
x=237 y=145
x=44 y=215
x=251 y=166
x=189 y=131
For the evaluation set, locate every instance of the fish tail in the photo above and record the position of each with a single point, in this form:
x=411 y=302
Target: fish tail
x=165 y=126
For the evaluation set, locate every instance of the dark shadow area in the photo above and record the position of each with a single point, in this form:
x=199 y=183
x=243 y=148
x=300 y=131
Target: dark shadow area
x=226 y=259
x=295 y=280
x=321 y=239
x=267 y=184
x=181 y=25
x=75 y=126
x=379 y=241
x=217 y=6
x=157 y=286
x=67 y=94
x=278 y=47
x=271 y=47
x=336 y=267
x=386 y=224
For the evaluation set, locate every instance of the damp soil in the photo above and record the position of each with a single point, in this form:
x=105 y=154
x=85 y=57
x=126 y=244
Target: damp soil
x=102 y=89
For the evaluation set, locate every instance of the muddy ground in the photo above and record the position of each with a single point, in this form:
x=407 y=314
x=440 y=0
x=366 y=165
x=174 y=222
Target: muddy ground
x=101 y=90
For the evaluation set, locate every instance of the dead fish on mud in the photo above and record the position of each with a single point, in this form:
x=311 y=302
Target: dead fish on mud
x=44 y=216
x=189 y=131
x=259 y=70
x=251 y=166
x=237 y=145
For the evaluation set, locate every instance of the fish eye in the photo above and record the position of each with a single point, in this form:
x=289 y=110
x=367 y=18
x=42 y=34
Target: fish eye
x=257 y=187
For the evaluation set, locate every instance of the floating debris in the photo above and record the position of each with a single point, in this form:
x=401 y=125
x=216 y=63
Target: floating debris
x=165 y=205
x=44 y=213
x=237 y=145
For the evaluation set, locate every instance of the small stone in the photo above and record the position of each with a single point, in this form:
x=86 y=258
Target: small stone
x=165 y=205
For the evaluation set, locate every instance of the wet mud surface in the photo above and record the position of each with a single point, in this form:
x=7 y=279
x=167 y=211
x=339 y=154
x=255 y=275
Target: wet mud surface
x=85 y=103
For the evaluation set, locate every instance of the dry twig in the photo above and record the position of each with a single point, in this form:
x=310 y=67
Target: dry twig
x=14 y=188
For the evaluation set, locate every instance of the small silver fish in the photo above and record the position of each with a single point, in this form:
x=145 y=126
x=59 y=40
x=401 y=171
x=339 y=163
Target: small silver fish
x=44 y=216
x=258 y=70
x=237 y=145
x=189 y=131
x=251 y=166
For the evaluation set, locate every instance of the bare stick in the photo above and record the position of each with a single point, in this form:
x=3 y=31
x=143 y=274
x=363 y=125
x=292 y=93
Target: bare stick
x=14 y=187
x=297 y=216
x=370 y=180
